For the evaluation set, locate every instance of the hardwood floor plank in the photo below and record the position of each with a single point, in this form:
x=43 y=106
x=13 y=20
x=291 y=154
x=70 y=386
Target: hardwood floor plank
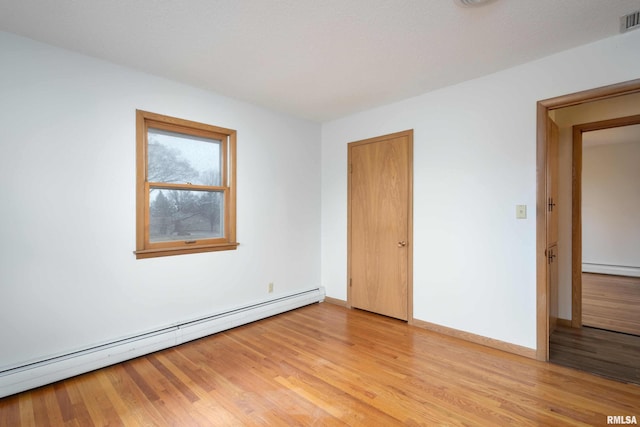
x=27 y=416
x=87 y=410
x=177 y=383
x=10 y=411
x=170 y=403
x=235 y=385
x=611 y=302
x=328 y=365
x=139 y=378
x=42 y=415
x=202 y=404
x=102 y=409
x=54 y=415
x=113 y=401
x=134 y=400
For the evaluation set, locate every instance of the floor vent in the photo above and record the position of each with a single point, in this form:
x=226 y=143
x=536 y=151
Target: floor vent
x=630 y=22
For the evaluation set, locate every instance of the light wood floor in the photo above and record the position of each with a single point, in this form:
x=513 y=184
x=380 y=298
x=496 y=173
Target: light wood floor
x=326 y=365
x=611 y=302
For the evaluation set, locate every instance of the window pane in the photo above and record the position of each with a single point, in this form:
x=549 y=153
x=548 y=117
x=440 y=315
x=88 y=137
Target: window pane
x=180 y=158
x=185 y=215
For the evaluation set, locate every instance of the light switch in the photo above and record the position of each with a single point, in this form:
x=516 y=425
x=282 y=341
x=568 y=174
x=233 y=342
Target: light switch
x=521 y=211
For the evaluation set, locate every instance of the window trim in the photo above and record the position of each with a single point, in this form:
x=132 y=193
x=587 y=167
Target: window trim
x=147 y=249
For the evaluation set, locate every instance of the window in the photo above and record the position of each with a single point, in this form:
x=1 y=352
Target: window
x=185 y=187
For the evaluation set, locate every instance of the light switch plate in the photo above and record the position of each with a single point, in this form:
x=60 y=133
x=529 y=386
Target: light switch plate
x=521 y=211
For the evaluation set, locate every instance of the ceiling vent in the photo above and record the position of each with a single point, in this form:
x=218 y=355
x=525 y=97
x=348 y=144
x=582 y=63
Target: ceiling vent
x=630 y=22
x=470 y=3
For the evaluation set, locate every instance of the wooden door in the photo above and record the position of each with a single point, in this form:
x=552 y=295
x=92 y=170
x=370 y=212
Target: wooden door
x=553 y=141
x=380 y=204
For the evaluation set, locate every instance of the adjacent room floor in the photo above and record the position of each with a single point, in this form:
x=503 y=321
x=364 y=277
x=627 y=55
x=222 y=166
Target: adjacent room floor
x=606 y=353
x=608 y=343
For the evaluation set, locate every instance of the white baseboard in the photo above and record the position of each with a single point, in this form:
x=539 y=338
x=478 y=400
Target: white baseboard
x=20 y=378
x=616 y=270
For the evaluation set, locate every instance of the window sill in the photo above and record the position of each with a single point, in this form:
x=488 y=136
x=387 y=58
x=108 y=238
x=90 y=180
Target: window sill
x=153 y=253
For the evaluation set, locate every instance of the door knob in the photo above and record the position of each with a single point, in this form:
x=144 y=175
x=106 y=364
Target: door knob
x=402 y=244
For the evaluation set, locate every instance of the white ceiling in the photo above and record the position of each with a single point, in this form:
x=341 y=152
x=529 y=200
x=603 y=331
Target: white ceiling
x=317 y=59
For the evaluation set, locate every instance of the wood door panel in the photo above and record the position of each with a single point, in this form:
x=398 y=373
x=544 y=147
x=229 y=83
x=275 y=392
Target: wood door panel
x=553 y=144
x=552 y=270
x=379 y=222
x=553 y=147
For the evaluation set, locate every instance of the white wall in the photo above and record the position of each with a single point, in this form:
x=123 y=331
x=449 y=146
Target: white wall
x=611 y=204
x=68 y=277
x=67 y=217
x=474 y=160
x=566 y=118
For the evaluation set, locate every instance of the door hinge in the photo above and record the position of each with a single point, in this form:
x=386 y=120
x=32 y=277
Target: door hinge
x=350 y=167
x=550 y=256
x=551 y=204
x=350 y=282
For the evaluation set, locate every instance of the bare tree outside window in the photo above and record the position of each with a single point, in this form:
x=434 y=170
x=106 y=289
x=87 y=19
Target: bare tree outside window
x=180 y=214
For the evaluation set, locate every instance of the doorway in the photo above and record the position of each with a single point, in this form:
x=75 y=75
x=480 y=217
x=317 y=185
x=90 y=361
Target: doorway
x=581 y=133
x=599 y=330
x=542 y=265
x=380 y=225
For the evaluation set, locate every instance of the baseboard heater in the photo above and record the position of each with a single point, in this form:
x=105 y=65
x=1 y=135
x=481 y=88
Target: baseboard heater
x=615 y=270
x=24 y=377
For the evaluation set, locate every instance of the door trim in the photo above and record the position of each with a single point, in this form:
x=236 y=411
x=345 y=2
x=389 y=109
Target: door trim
x=543 y=108
x=576 y=207
x=409 y=134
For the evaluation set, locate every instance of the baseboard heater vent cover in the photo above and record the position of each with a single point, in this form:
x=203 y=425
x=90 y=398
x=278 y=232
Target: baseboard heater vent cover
x=20 y=378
